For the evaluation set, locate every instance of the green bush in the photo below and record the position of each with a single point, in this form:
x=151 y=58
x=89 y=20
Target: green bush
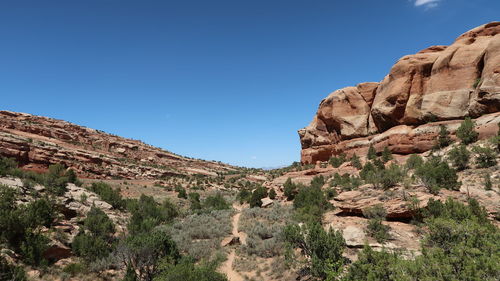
x=108 y=194
x=194 y=198
x=356 y=162
x=460 y=244
x=259 y=193
x=186 y=270
x=272 y=194
x=372 y=153
x=7 y=165
x=376 y=214
x=459 y=157
x=244 y=195
x=436 y=174
x=414 y=161
x=336 y=161
x=466 y=132
x=181 y=192
x=323 y=249
x=74 y=269
x=146 y=214
x=96 y=237
x=485 y=156
x=346 y=181
x=386 y=155
x=310 y=204
x=32 y=248
x=443 y=139
x=143 y=253
x=289 y=189
x=9 y=272
x=216 y=202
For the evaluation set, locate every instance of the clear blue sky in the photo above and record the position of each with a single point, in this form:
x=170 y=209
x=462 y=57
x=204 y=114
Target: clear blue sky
x=219 y=80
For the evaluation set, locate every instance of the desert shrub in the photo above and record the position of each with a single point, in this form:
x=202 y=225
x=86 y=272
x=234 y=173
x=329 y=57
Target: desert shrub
x=146 y=214
x=346 y=181
x=310 y=204
x=289 y=189
x=330 y=193
x=376 y=214
x=485 y=156
x=466 y=132
x=33 y=246
x=459 y=157
x=272 y=194
x=323 y=249
x=143 y=253
x=367 y=170
x=436 y=174
x=488 y=185
x=386 y=155
x=186 y=270
x=199 y=235
x=108 y=194
x=74 y=269
x=356 y=162
x=414 y=161
x=336 y=161
x=264 y=240
x=381 y=177
x=9 y=272
x=318 y=181
x=461 y=244
x=259 y=193
x=181 y=192
x=20 y=225
x=372 y=153
x=95 y=238
x=244 y=195
x=7 y=165
x=215 y=202
x=443 y=139
x=194 y=199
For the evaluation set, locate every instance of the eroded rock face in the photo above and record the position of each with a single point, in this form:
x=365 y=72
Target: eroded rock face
x=37 y=142
x=437 y=84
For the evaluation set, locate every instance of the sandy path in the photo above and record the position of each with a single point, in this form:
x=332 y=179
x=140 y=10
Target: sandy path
x=227 y=267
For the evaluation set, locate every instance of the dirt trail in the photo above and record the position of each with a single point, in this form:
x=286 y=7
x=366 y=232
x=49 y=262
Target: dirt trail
x=227 y=267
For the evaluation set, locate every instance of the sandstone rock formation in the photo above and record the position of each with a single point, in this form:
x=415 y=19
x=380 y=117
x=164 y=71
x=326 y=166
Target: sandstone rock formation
x=37 y=142
x=440 y=83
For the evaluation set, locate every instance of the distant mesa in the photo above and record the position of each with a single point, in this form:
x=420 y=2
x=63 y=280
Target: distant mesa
x=37 y=142
x=438 y=85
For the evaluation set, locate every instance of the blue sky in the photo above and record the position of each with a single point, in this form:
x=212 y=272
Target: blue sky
x=218 y=80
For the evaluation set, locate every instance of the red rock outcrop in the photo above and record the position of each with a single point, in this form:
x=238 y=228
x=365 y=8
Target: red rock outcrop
x=37 y=142
x=439 y=83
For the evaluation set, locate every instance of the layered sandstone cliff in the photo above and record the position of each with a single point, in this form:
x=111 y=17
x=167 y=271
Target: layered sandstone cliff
x=438 y=85
x=37 y=142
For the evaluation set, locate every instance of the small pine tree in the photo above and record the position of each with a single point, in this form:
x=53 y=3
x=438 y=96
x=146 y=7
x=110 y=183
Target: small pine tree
x=459 y=157
x=355 y=162
x=443 y=139
x=386 y=155
x=372 y=153
x=272 y=194
x=466 y=132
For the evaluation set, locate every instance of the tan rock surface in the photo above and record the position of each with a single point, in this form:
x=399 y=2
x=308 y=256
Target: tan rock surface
x=436 y=84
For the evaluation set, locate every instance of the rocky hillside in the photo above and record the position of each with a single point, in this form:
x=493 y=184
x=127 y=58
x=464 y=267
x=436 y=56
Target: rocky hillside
x=438 y=85
x=36 y=142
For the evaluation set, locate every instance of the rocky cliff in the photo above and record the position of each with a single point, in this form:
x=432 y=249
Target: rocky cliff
x=438 y=85
x=37 y=142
